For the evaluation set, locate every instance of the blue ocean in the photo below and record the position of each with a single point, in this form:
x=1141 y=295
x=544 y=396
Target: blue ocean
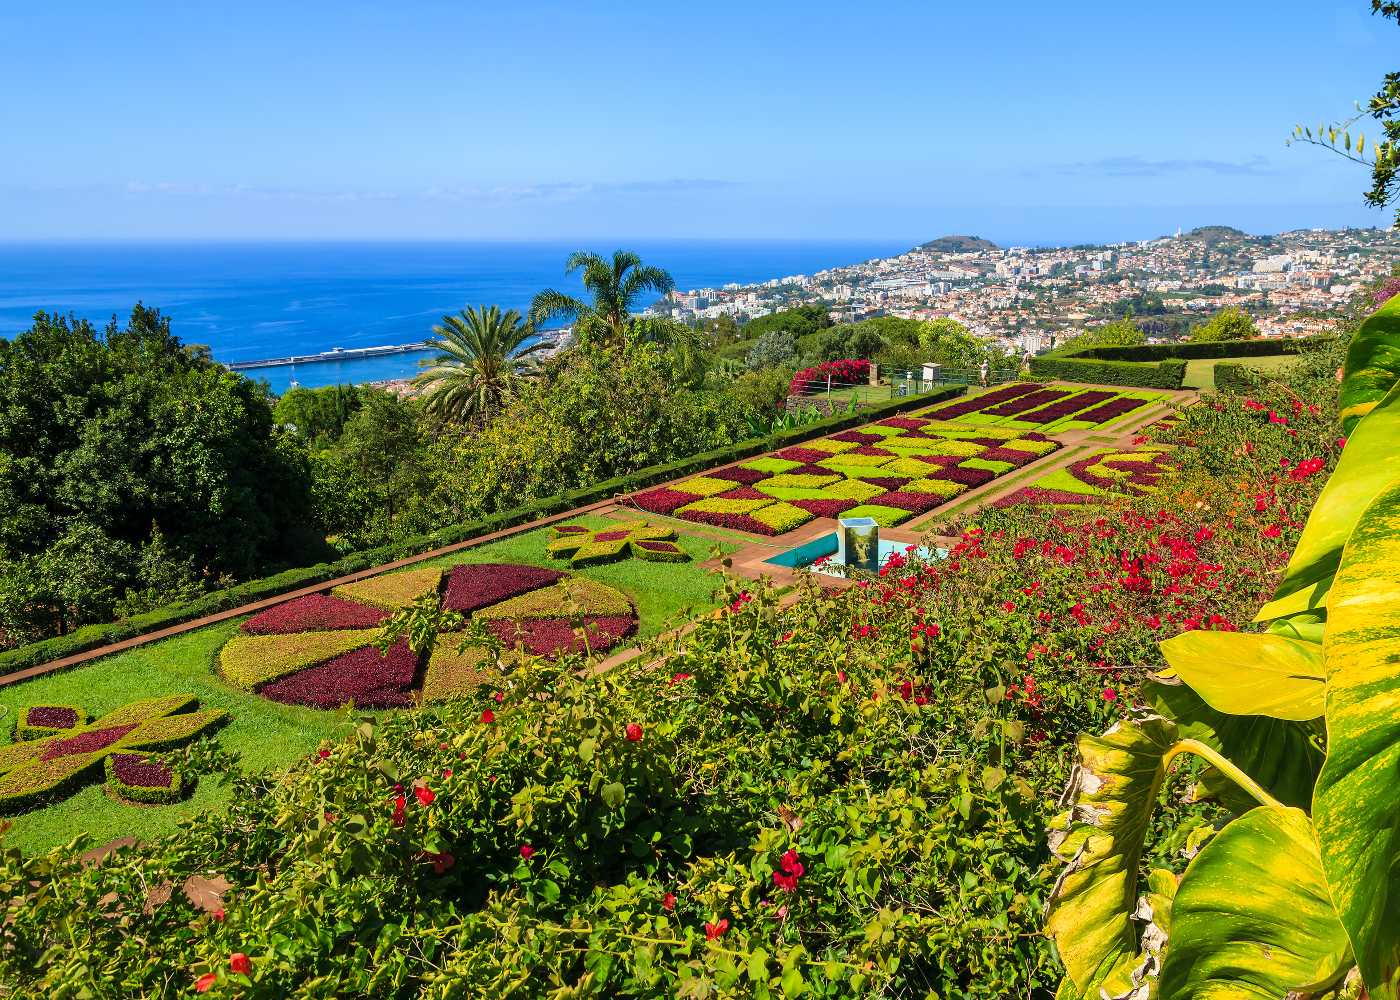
x=248 y=301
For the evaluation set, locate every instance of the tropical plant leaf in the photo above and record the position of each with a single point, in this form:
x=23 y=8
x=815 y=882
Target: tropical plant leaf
x=1356 y=807
x=1241 y=673
x=1252 y=917
x=1283 y=757
x=1091 y=913
x=1372 y=365
x=1367 y=467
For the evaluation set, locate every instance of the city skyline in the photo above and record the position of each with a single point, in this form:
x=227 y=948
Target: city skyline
x=352 y=122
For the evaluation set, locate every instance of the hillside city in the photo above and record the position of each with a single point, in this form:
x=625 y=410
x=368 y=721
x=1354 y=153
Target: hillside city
x=1028 y=298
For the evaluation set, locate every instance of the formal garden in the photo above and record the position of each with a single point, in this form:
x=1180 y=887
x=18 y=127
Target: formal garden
x=1126 y=734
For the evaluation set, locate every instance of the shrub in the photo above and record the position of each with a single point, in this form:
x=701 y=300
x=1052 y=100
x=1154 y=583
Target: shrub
x=364 y=677
x=1226 y=325
x=551 y=637
x=773 y=349
x=574 y=592
x=781 y=517
x=142 y=778
x=454 y=672
x=38 y=721
x=1162 y=375
x=478 y=585
x=842 y=373
x=250 y=660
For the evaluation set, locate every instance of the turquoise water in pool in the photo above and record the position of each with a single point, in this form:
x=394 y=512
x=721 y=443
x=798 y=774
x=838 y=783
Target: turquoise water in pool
x=826 y=546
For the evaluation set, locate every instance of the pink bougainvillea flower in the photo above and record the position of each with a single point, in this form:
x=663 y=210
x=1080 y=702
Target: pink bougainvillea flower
x=323 y=753
x=634 y=732
x=715 y=931
x=447 y=772
x=668 y=901
x=425 y=795
x=205 y=982
x=399 y=803
x=526 y=851
x=488 y=717
x=240 y=964
x=1272 y=531
x=1008 y=606
x=1109 y=694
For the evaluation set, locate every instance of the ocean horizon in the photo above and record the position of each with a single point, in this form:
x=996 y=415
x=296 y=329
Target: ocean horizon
x=250 y=301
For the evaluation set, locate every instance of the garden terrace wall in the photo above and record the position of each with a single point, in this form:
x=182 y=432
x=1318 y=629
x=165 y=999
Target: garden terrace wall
x=92 y=637
x=1168 y=374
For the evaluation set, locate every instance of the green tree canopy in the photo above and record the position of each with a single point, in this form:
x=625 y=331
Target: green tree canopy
x=486 y=354
x=1118 y=333
x=605 y=318
x=798 y=322
x=1228 y=324
x=775 y=349
x=122 y=434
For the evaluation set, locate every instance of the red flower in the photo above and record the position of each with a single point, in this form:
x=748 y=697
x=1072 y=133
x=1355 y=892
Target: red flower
x=678 y=677
x=1341 y=442
x=526 y=851
x=442 y=862
x=500 y=697
x=425 y=795
x=1109 y=694
x=715 y=931
x=634 y=733
x=1008 y=606
x=204 y=982
x=218 y=914
x=239 y=963
x=488 y=717
x=1272 y=531
x=323 y=753
x=668 y=901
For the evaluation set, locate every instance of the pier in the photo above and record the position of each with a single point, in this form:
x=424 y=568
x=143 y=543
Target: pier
x=335 y=354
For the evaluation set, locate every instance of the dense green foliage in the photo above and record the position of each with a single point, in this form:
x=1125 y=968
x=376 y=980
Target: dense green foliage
x=486 y=354
x=1226 y=325
x=1118 y=333
x=132 y=471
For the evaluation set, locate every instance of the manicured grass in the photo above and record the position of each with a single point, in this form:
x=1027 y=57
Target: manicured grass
x=267 y=735
x=1200 y=372
x=662 y=592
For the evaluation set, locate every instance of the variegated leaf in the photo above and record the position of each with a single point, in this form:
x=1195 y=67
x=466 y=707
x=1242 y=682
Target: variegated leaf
x=1252 y=919
x=1373 y=364
x=1242 y=673
x=1356 y=807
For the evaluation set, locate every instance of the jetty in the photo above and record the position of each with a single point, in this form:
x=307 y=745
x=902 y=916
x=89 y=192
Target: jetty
x=334 y=354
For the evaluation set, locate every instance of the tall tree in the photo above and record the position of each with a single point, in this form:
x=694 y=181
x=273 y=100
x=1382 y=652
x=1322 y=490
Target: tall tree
x=485 y=356
x=613 y=286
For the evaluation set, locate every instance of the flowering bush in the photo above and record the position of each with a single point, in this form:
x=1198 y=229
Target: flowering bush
x=851 y=371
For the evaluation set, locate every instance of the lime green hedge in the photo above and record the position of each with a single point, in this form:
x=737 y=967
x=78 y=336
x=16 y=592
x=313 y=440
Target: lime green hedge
x=94 y=636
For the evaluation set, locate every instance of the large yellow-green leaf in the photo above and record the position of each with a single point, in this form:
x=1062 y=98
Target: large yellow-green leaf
x=1091 y=911
x=1373 y=364
x=1283 y=757
x=1252 y=917
x=1240 y=673
x=1369 y=464
x=1356 y=806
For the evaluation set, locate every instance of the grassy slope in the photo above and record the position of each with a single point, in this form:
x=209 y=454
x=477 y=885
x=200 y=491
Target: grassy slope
x=266 y=734
x=1200 y=372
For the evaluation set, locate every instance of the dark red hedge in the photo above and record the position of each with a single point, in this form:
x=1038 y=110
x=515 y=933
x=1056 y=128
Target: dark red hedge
x=139 y=771
x=664 y=501
x=824 y=508
x=314 y=613
x=737 y=475
x=52 y=717
x=968 y=477
x=362 y=676
x=804 y=455
x=743 y=493
x=917 y=503
x=857 y=437
x=555 y=636
x=893 y=482
x=473 y=587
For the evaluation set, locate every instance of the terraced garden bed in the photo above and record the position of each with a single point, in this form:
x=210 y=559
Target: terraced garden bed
x=891 y=470
x=1046 y=408
x=1095 y=478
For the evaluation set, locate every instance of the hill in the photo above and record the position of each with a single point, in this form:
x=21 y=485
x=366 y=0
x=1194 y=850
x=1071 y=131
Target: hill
x=1210 y=235
x=958 y=244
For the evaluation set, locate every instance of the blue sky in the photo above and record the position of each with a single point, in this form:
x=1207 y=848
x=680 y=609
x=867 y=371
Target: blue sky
x=1024 y=122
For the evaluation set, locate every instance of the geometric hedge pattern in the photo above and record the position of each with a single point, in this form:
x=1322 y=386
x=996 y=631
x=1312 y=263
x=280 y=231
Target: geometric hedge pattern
x=584 y=546
x=1094 y=479
x=320 y=651
x=49 y=760
x=890 y=470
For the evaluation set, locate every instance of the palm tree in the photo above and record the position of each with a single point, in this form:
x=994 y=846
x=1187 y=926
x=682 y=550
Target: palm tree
x=483 y=361
x=613 y=286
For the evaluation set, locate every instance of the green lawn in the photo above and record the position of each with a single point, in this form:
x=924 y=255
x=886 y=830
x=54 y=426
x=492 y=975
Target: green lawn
x=1200 y=372
x=269 y=735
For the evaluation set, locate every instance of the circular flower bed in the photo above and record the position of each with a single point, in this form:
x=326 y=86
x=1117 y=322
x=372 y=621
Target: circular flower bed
x=320 y=650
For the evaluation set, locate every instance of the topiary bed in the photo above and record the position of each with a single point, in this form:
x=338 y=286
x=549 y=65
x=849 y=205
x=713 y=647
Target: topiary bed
x=1096 y=478
x=317 y=651
x=891 y=470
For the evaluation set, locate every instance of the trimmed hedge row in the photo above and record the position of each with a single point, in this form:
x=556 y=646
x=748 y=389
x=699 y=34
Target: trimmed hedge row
x=92 y=636
x=1235 y=378
x=1224 y=349
x=1168 y=374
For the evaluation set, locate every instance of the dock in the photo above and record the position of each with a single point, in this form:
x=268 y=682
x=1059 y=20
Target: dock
x=335 y=354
